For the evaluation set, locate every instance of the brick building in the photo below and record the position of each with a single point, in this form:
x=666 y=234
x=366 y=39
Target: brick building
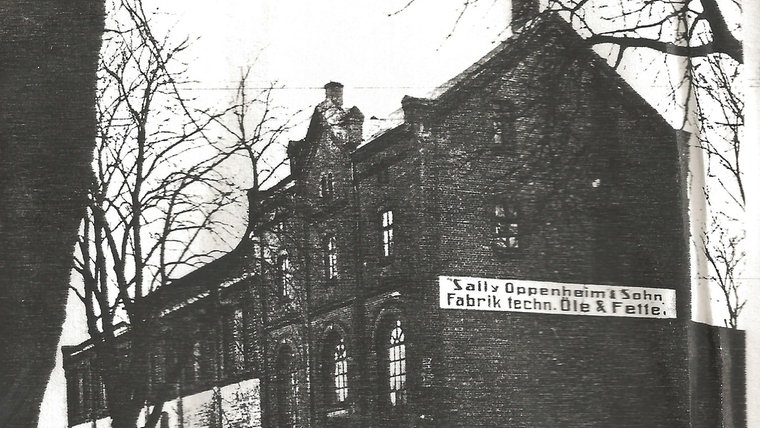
x=458 y=268
x=202 y=365
x=539 y=163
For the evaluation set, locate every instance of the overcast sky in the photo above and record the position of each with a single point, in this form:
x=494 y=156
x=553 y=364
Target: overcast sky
x=302 y=45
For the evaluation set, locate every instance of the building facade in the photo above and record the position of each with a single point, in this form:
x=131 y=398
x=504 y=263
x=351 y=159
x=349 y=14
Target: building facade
x=538 y=164
x=512 y=253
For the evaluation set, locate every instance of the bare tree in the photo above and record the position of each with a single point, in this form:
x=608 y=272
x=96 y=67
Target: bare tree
x=256 y=127
x=280 y=253
x=702 y=28
x=157 y=195
x=719 y=117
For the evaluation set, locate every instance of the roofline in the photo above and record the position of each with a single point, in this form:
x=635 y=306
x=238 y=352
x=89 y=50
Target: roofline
x=441 y=101
x=277 y=187
x=379 y=142
x=71 y=351
x=629 y=96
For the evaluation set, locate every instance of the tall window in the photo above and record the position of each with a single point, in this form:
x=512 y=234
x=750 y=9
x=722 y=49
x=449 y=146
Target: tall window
x=287 y=389
x=387 y=227
x=336 y=374
x=396 y=349
x=382 y=176
x=294 y=391
x=80 y=392
x=506 y=227
x=103 y=397
x=503 y=120
x=326 y=185
x=191 y=370
x=157 y=365
x=235 y=346
x=331 y=257
x=197 y=355
x=284 y=276
x=498 y=131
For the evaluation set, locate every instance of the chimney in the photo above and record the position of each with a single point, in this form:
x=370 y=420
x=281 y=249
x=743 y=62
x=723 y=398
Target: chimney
x=334 y=93
x=354 y=124
x=415 y=109
x=522 y=12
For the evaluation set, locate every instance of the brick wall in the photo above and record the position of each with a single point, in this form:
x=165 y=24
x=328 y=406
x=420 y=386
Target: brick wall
x=596 y=186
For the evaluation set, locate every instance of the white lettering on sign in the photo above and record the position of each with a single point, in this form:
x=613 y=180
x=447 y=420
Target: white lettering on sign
x=489 y=294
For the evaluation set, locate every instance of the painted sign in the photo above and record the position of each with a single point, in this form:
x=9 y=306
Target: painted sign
x=508 y=295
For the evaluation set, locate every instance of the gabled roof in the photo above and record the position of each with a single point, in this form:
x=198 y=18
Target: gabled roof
x=534 y=35
x=327 y=116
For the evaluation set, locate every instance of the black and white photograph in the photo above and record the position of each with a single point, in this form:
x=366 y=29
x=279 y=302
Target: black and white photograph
x=407 y=213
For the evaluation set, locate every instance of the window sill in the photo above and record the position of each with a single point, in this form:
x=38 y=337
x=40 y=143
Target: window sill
x=395 y=409
x=337 y=413
x=504 y=250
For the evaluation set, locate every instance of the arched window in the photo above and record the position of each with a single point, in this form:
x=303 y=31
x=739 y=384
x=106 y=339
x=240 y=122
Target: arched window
x=336 y=370
x=286 y=389
x=395 y=347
